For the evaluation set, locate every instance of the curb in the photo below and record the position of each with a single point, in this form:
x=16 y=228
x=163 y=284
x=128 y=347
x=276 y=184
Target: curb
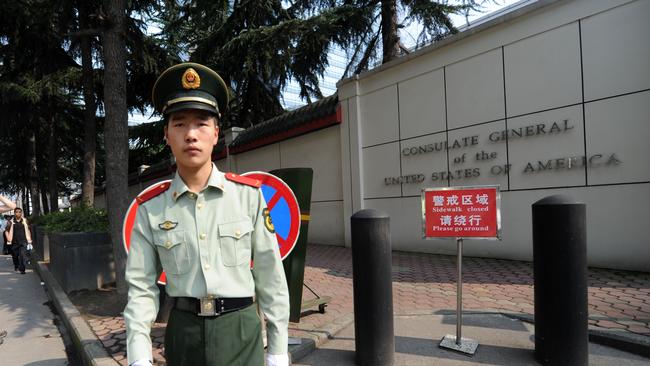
x=90 y=348
x=92 y=351
x=621 y=340
x=315 y=338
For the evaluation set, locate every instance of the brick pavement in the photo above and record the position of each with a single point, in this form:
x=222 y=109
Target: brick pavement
x=426 y=282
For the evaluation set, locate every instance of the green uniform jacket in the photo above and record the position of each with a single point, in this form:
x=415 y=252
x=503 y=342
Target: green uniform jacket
x=215 y=235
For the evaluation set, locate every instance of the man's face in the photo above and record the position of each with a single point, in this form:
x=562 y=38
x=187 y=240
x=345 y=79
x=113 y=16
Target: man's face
x=18 y=213
x=192 y=134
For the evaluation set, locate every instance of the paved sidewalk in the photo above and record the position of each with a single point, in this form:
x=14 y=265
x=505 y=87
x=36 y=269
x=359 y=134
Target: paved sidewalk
x=502 y=341
x=619 y=301
x=32 y=338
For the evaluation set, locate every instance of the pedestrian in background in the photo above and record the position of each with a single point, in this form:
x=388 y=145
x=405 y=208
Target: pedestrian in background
x=3 y=227
x=18 y=238
x=6 y=206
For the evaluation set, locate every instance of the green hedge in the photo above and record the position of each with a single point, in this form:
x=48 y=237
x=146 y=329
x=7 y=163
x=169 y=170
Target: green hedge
x=79 y=219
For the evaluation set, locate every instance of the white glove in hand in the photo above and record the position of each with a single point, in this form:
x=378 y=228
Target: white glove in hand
x=277 y=360
x=141 y=363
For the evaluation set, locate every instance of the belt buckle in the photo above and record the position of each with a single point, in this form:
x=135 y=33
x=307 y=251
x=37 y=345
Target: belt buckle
x=207 y=306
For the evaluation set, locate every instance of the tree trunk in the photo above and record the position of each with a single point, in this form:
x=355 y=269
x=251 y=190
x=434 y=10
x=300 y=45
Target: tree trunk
x=33 y=176
x=26 y=208
x=390 y=39
x=88 y=185
x=51 y=165
x=43 y=198
x=116 y=133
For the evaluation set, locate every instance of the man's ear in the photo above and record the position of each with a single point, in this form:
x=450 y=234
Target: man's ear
x=165 y=135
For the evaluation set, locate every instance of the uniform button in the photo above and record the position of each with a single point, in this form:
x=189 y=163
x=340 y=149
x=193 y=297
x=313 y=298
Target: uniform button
x=168 y=244
x=202 y=236
x=200 y=206
x=237 y=233
x=206 y=267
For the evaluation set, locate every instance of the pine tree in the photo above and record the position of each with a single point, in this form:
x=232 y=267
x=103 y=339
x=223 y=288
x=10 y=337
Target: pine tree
x=36 y=77
x=259 y=46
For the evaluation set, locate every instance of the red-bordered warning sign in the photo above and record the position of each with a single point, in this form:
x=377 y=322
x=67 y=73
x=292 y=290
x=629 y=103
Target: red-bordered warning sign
x=283 y=209
x=282 y=205
x=461 y=212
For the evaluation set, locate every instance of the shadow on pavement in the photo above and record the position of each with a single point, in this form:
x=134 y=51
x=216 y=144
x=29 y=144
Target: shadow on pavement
x=17 y=299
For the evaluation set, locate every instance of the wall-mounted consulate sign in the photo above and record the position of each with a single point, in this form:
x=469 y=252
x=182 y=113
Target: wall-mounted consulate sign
x=461 y=212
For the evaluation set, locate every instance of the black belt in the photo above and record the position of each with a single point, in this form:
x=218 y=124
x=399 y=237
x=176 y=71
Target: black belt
x=211 y=306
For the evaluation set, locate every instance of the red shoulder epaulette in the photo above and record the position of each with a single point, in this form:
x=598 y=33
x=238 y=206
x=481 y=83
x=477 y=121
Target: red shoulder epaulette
x=153 y=192
x=244 y=180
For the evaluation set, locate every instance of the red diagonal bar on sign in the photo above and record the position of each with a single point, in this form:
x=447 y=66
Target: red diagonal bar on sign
x=282 y=241
x=276 y=197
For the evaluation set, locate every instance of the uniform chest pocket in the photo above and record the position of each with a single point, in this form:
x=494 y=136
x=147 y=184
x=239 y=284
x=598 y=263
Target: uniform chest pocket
x=173 y=251
x=235 y=242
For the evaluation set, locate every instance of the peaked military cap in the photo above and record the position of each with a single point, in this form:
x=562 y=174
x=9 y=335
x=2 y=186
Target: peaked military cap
x=190 y=86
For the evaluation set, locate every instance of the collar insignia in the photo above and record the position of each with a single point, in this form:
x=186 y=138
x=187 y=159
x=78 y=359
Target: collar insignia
x=167 y=225
x=191 y=79
x=268 y=223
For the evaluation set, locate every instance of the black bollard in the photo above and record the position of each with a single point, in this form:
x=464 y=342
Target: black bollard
x=373 y=291
x=560 y=270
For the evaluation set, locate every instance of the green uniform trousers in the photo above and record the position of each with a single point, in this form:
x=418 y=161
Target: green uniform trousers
x=232 y=339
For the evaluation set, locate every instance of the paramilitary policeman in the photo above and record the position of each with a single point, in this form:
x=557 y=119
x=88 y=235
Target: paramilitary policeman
x=207 y=231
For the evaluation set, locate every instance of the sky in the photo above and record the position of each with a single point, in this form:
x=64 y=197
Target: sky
x=337 y=59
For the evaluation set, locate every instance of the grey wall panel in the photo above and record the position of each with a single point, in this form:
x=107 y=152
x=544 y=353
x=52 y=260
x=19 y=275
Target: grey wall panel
x=616 y=51
x=417 y=162
x=543 y=71
x=422 y=105
x=379 y=117
x=618 y=135
x=380 y=162
x=475 y=90
x=264 y=159
x=482 y=163
x=321 y=151
x=326 y=226
x=549 y=159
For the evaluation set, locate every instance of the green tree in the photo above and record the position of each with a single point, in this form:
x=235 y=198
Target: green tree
x=132 y=60
x=259 y=46
x=36 y=84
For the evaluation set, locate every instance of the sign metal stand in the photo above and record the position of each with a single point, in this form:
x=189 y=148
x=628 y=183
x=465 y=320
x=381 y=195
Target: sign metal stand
x=458 y=343
x=461 y=213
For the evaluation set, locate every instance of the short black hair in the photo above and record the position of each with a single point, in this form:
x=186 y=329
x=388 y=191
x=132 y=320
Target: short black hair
x=18 y=209
x=216 y=118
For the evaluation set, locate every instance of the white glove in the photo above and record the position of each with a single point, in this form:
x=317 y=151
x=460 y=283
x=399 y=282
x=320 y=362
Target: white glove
x=141 y=363
x=30 y=246
x=277 y=360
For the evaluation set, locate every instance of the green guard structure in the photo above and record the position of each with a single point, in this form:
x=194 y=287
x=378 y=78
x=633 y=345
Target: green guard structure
x=300 y=182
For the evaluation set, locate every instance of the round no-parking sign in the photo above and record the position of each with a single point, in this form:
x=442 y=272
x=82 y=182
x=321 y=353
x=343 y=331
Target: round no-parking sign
x=283 y=210
x=129 y=219
x=282 y=214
